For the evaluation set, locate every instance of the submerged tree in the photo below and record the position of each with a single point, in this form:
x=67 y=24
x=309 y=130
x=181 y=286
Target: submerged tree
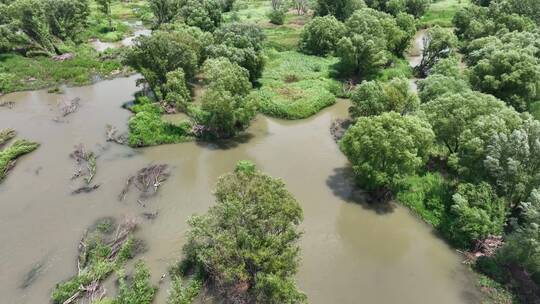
x=247 y=244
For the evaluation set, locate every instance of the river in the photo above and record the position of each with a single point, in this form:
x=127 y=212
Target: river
x=351 y=252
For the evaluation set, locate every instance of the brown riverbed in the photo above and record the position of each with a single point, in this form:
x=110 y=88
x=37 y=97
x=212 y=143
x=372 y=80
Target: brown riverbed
x=352 y=253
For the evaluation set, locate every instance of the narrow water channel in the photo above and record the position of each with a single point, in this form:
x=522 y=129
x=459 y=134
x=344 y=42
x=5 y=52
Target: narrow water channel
x=352 y=253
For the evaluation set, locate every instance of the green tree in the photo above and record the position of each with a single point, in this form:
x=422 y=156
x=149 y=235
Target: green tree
x=30 y=27
x=163 y=52
x=474 y=22
x=176 y=90
x=225 y=107
x=512 y=75
x=222 y=74
x=522 y=247
x=439 y=43
x=464 y=123
x=417 y=8
x=247 y=244
x=437 y=85
x=204 y=14
x=164 y=10
x=476 y=213
x=341 y=9
x=321 y=35
x=374 y=98
x=242 y=44
x=385 y=148
x=105 y=6
x=513 y=161
x=67 y=18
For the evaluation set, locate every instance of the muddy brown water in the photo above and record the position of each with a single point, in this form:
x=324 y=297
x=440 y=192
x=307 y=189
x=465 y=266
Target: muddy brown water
x=351 y=252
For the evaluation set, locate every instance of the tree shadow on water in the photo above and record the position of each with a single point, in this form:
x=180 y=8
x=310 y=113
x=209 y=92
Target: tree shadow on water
x=343 y=186
x=226 y=144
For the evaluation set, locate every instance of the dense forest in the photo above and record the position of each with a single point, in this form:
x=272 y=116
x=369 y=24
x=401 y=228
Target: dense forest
x=454 y=137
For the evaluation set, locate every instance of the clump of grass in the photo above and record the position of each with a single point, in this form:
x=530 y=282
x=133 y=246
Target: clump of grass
x=6 y=135
x=295 y=85
x=147 y=128
x=399 y=68
x=426 y=196
x=442 y=12
x=9 y=155
x=184 y=292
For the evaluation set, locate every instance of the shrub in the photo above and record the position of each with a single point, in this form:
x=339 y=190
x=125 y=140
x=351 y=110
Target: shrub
x=321 y=35
x=476 y=212
x=277 y=16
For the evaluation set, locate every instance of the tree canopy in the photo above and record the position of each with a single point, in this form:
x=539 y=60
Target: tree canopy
x=247 y=244
x=384 y=148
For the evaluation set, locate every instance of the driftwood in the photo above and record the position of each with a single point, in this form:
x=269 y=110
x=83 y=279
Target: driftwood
x=147 y=180
x=86 y=189
x=112 y=135
x=69 y=107
x=483 y=248
x=7 y=104
x=63 y=57
x=339 y=127
x=86 y=162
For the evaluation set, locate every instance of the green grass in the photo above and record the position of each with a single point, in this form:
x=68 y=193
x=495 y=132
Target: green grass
x=493 y=292
x=296 y=86
x=442 y=12
x=146 y=127
x=14 y=151
x=400 y=68
x=426 y=196
x=19 y=73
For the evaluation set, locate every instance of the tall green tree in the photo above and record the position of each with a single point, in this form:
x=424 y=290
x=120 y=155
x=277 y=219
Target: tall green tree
x=513 y=161
x=512 y=75
x=374 y=98
x=385 y=148
x=247 y=244
x=67 y=18
x=241 y=43
x=476 y=213
x=105 y=6
x=341 y=9
x=439 y=43
x=465 y=123
x=204 y=14
x=164 y=10
x=321 y=35
x=163 y=52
